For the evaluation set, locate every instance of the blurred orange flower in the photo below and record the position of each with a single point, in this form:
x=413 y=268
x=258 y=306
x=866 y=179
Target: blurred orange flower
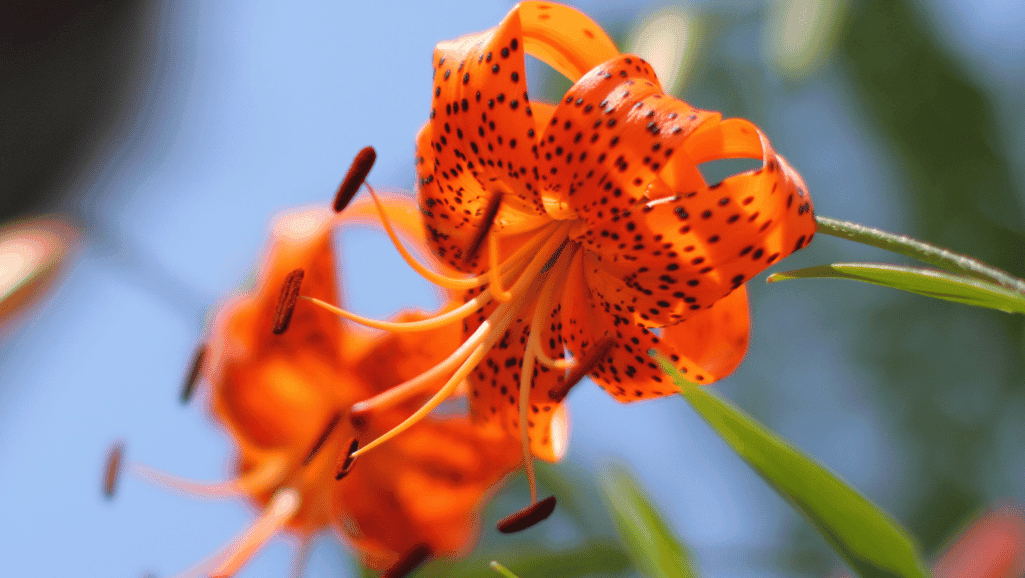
x=283 y=398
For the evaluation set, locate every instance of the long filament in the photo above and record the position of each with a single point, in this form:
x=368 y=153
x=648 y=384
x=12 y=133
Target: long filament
x=283 y=505
x=432 y=276
x=541 y=311
x=416 y=385
x=490 y=335
x=439 y=320
x=270 y=473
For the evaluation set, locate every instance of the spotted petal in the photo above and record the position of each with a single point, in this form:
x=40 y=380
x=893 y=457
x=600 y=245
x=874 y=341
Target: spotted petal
x=609 y=138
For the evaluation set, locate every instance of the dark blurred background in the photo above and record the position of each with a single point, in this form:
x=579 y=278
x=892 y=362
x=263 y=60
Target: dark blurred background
x=171 y=131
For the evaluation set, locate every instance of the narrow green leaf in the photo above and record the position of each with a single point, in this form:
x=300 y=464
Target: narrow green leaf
x=654 y=548
x=872 y=543
x=921 y=281
x=505 y=572
x=916 y=249
x=531 y=560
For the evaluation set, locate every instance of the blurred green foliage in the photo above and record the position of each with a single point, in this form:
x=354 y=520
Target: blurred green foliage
x=940 y=124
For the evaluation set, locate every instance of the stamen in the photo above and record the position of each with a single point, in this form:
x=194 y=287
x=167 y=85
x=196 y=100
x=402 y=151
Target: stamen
x=437 y=278
x=494 y=277
x=528 y=517
x=345 y=462
x=269 y=474
x=286 y=301
x=409 y=561
x=331 y=424
x=526 y=377
x=358 y=171
x=283 y=505
x=543 y=308
x=189 y=387
x=415 y=386
x=593 y=357
x=427 y=324
x=112 y=471
x=482 y=232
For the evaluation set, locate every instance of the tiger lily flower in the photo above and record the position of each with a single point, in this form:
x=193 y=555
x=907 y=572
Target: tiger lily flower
x=583 y=227
x=283 y=400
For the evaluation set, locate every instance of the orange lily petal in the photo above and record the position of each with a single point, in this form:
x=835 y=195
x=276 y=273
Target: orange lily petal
x=610 y=136
x=716 y=338
x=564 y=38
x=480 y=139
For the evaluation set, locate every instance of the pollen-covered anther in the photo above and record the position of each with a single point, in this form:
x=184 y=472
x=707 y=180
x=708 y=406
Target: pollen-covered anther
x=409 y=561
x=528 y=517
x=345 y=462
x=323 y=437
x=354 y=179
x=286 y=301
x=593 y=357
x=112 y=470
x=195 y=370
x=488 y=220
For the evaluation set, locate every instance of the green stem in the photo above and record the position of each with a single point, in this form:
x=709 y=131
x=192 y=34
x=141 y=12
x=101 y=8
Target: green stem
x=918 y=250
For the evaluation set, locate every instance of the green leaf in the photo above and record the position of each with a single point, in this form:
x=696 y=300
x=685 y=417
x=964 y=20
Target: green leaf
x=916 y=249
x=505 y=572
x=872 y=543
x=532 y=560
x=655 y=550
x=921 y=281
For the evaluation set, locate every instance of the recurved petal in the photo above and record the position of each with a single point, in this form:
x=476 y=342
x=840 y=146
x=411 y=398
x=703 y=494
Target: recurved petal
x=481 y=135
x=689 y=249
x=609 y=138
x=564 y=38
x=628 y=373
x=714 y=339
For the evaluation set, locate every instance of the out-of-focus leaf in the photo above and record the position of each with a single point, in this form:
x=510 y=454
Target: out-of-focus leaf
x=655 y=550
x=872 y=543
x=535 y=561
x=916 y=249
x=669 y=39
x=32 y=255
x=800 y=35
x=502 y=570
x=921 y=281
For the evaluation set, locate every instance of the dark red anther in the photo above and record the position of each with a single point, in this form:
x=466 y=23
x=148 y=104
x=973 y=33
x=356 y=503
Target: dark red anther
x=112 y=471
x=324 y=435
x=358 y=171
x=409 y=561
x=527 y=517
x=345 y=463
x=286 y=301
x=586 y=365
x=482 y=233
x=189 y=387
